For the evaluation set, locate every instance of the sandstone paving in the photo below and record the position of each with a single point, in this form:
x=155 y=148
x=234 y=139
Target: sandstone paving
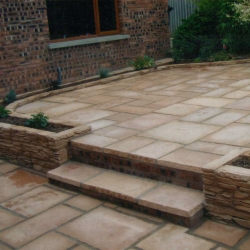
x=74 y=173
x=174 y=237
x=235 y=134
x=85 y=223
x=116 y=132
x=180 y=132
x=50 y=241
x=84 y=202
x=35 y=201
x=226 y=118
x=202 y=114
x=173 y=199
x=146 y=122
x=187 y=160
x=209 y=147
x=227 y=234
x=34 y=227
x=18 y=182
x=8 y=219
x=37 y=106
x=6 y=167
x=106 y=229
x=85 y=115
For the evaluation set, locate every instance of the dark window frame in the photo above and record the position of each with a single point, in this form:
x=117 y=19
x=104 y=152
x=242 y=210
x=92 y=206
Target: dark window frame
x=97 y=20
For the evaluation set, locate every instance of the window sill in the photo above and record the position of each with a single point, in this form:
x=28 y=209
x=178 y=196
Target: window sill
x=101 y=39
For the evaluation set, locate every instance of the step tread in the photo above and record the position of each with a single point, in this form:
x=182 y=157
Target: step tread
x=162 y=196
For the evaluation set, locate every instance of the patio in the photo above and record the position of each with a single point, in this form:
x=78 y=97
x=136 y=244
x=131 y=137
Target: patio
x=163 y=127
x=185 y=117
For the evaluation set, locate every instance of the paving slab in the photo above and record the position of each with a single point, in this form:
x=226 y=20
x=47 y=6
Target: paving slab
x=84 y=202
x=227 y=235
x=32 y=228
x=85 y=115
x=6 y=167
x=18 y=182
x=210 y=101
x=73 y=173
x=234 y=134
x=116 y=132
x=187 y=160
x=174 y=200
x=174 y=237
x=107 y=229
x=180 y=132
x=120 y=185
x=8 y=219
x=35 y=201
x=146 y=122
x=50 y=241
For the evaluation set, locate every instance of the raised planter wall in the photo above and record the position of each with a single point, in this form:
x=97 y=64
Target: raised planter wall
x=35 y=148
x=227 y=190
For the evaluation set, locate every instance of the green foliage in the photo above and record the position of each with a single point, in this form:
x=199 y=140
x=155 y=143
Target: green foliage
x=142 y=62
x=104 y=72
x=10 y=97
x=38 y=120
x=4 y=112
x=220 y=56
x=213 y=24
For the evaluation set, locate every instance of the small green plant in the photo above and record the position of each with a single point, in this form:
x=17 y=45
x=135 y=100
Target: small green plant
x=220 y=56
x=142 y=62
x=4 y=112
x=10 y=97
x=38 y=120
x=104 y=72
x=54 y=84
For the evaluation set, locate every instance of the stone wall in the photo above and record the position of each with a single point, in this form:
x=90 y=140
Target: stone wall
x=34 y=148
x=27 y=63
x=227 y=190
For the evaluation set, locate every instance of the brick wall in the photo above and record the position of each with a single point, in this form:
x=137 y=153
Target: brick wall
x=26 y=63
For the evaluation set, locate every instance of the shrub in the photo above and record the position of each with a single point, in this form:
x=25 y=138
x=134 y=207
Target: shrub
x=142 y=62
x=4 y=112
x=104 y=72
x=220 y=56
x=10 y=97
x=213 y=24
x=37 y=121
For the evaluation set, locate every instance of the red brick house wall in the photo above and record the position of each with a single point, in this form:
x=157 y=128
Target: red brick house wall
x=27 y=64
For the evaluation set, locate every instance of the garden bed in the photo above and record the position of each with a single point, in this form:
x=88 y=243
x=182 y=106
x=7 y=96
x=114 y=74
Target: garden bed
x=227 y=188
x=38 y=149
x=56 y=128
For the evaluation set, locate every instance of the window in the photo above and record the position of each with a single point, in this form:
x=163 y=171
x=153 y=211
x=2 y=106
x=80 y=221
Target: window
x=82 y=18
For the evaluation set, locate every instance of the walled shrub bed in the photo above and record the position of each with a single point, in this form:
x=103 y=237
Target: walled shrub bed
x=227 y=188
x=38 y=149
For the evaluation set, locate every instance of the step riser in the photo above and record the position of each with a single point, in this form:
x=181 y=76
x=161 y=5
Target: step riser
x=180 y=220
x=146 y=170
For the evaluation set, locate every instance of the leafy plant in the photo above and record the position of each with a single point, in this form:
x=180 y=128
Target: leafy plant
x=38 y=120
x=4 y=112
x=104 y=72
x=54 y=84
x=10 y=97
x=220 y=56
x=142 y=62
x=215 y=23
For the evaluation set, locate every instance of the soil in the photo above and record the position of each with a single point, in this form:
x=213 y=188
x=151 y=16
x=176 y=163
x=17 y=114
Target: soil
x=241 y=162
x=21 y=122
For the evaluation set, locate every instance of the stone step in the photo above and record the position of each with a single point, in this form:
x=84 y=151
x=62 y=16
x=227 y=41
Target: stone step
x=181 y=205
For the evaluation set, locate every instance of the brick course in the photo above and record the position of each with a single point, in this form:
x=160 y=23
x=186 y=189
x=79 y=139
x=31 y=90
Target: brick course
x=26 y=63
